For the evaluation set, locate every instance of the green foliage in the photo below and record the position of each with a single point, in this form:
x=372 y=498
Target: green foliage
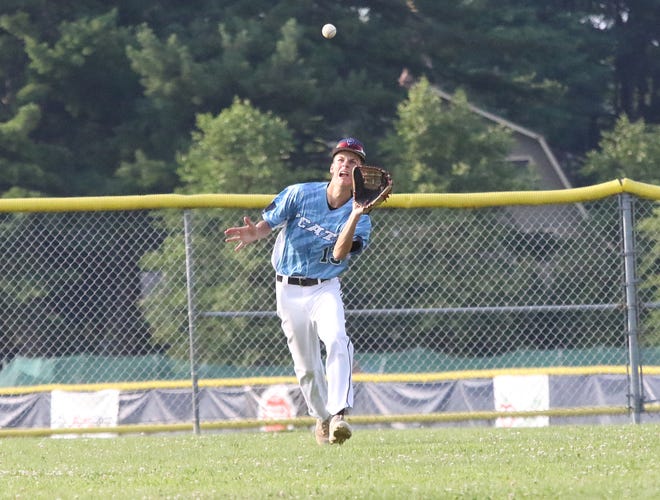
x=238 y=96
x=505 y=54
x=241 y=150
x=441 y=146
x=632 y=30
x=168 y=73
x=83 y=298
x=168 y=263
x=19 y=157
x=146 y=175
x=649 y=274
x=122 y=86
x=461 y=270
x=176 y=65
x=216 y=287
x=76 y=82
x=631 y=149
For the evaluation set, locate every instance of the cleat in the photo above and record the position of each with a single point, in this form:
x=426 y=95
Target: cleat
x=340 y=431
x=322 y=431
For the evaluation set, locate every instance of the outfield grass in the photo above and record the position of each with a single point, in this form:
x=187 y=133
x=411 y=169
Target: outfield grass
x=616 y=462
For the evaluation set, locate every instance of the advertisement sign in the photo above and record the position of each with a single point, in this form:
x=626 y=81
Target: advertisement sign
x=83 y=410
x=521 y=393
x=275 y=403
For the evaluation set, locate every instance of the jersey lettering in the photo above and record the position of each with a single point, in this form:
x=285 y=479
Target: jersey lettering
x=317 y=229
x=309 y=231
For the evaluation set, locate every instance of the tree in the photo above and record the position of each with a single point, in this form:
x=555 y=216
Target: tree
x=76 y=83
x=633 y=29
x=241 y=150
x=175 y=87
x=538 y=64
x=118 y=90
x=20 y=158
x=75 y=283
x=631 y=149
x=440 y=147
x=649 y=276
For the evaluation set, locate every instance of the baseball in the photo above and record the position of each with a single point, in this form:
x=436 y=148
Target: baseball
x=329 y=30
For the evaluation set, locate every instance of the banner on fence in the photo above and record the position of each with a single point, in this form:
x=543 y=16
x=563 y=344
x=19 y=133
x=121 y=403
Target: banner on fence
x=521 y=393
x=276 y=403
x=84 y=410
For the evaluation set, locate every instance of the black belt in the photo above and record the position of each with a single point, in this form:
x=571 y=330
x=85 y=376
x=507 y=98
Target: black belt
x=297 y=280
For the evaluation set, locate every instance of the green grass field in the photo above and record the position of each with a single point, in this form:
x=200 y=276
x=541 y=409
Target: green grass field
x=616 y=461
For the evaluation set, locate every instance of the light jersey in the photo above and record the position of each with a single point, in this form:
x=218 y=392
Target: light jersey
x=309 y=230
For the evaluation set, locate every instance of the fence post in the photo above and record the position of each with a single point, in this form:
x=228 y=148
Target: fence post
x=187 y=231
x=632 y=309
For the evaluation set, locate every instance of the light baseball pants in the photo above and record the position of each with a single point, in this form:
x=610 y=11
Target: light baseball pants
x=310 y=315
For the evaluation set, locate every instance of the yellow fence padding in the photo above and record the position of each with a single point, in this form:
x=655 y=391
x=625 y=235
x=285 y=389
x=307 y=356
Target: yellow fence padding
x=401 y=200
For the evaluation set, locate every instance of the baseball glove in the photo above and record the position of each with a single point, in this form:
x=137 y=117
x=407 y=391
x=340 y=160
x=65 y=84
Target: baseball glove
x=371 y=186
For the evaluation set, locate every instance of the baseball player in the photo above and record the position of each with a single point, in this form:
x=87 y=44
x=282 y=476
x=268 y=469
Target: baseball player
x=321 y=229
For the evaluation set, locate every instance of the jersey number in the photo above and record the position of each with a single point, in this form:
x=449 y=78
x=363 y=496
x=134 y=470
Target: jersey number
x=327 y=257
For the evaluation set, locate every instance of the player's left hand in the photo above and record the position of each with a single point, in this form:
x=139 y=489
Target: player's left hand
x=243 y=234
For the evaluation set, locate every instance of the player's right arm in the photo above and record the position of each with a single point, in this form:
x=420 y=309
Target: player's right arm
x=344 y=242
x=249 y=233
x=272 y=215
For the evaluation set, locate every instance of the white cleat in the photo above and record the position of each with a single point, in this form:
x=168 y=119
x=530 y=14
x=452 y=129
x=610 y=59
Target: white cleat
x=322 y=431
x=340 y=431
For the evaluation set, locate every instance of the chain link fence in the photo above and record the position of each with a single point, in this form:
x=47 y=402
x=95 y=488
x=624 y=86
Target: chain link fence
x=150 y=314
